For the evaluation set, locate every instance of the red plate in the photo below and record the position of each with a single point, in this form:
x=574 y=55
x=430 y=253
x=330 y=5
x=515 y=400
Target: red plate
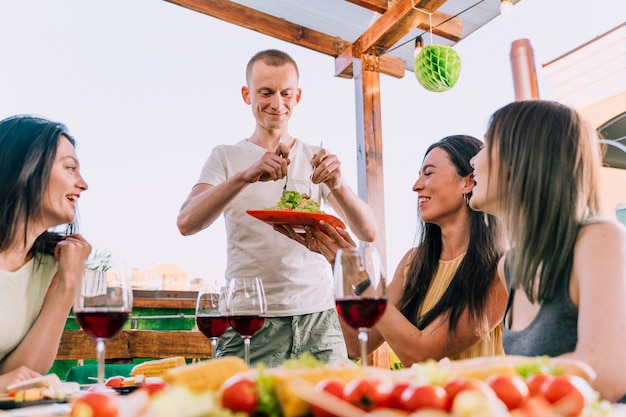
x=295 y=218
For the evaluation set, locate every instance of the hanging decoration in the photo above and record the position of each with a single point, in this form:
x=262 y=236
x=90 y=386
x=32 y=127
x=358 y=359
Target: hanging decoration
x=437 y=67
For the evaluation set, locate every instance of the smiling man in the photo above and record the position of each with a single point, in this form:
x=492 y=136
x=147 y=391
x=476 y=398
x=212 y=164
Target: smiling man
x=251 y=175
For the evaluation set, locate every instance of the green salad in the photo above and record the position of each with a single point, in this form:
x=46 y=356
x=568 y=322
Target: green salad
x=293 y=200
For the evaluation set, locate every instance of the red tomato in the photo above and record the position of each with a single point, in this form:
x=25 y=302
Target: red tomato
x=512 y=390
x=365 y=393
x=459 y=384
x=331 y=386
x=239 y=394
x=424 y=396
x=535 y=383
x=565 y=392
x=115 y=381
x=152 y=388
x=536 y=406
x=95 y=404
x=394 y=396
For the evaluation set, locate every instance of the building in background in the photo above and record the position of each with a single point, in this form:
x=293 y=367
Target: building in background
x=592 y=79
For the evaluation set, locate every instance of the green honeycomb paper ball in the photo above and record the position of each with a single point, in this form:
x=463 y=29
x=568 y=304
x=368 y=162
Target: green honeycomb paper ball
x=437 y=67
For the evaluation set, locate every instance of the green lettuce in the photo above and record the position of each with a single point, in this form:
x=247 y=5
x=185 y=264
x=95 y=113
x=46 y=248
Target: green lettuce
x=293 y=200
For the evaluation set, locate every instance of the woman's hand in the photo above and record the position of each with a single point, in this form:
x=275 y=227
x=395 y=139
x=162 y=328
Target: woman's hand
x=71 y=254
x=325 y=241
x=21 y=373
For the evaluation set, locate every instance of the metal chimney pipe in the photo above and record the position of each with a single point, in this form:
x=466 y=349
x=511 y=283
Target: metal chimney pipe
x=524 y=73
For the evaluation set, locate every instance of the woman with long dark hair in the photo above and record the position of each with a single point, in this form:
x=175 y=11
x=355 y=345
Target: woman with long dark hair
x=445 y=299
x=40 y=183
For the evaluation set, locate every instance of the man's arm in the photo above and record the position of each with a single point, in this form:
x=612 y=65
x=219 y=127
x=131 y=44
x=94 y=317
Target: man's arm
x=206 y=201
x=358 y=214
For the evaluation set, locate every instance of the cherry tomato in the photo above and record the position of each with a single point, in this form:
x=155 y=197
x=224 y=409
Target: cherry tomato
x=511 y=390
x=459 y=384
x=566 y=393
x=95 y=404
x=152 y=388
x=535 y=383
x=536 y=406
x=332 y=386
x=115 y=381
x=424 y=396
x=239 y=394
x=365 y=393
x=394 y=396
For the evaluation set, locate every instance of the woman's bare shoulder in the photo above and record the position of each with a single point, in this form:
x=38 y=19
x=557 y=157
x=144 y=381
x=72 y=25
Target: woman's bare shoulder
x=603 y=229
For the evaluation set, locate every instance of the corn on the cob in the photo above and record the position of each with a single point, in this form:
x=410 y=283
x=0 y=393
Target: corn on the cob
x=207 y=375
x=157 y=367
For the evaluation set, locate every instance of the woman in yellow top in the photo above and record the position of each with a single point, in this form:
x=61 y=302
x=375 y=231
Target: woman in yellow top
x=445 y=299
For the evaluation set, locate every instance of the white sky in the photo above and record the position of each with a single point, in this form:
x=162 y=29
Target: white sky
x=148 y=88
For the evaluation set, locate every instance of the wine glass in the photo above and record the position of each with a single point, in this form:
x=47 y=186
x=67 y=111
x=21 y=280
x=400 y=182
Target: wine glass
x=212 y=314
x=360 y=290
x=246 y=309
x=102 y=306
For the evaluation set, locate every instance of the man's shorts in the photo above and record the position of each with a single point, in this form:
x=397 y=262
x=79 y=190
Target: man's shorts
x=284 y=338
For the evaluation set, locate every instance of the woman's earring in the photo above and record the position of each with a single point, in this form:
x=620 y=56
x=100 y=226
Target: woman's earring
x=466 y=197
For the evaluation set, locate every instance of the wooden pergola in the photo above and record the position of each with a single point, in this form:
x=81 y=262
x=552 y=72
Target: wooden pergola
x=388 y=25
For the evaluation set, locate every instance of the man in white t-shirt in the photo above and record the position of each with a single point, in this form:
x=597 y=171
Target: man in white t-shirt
x=251 y=174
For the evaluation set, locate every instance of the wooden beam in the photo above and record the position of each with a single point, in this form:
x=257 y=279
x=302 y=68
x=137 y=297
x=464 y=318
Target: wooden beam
x=394 y=67
x=428 y=5
x=266 y=24
x=369 y=141
x=269 y=25
x=402 y=18
x=378 y=6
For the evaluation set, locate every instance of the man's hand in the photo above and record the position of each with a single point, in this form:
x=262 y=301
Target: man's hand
x=326 y=169
x=271 y=167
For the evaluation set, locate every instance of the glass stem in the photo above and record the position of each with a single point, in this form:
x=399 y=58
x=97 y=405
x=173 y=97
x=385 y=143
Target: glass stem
x=100 y=351
x=363 y=343
x=213 y=347
x=246 y=350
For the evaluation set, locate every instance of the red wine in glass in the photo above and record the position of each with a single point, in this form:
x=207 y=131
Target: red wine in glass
x=102 y=306
x=360 y=290
x=103 y=324
x=361 y=312
x=247 y=326
x=247 y=309
x=212 y=326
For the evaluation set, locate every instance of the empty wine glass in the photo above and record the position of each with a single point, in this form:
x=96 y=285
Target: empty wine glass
x=246 y=309
x=102 y=307
x=360 y=290
x=212 y=314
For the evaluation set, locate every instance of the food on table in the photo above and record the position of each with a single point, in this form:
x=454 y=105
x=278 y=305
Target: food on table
x=205 y=376
x=293 y=200
x=48 y=387
x=45 y=381
x=157 y=367
x=283 y=386
x=505 y=386
x=95 y=404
